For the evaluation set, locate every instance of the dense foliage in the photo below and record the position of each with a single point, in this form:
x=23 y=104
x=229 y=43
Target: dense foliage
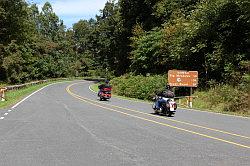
x=128 y=36
x=138 y=86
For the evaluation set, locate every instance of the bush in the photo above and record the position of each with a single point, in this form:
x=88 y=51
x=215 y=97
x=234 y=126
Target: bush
x=138 y=86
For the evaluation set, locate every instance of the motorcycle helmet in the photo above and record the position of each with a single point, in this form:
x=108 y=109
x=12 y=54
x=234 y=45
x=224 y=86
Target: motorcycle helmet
x=168 y=86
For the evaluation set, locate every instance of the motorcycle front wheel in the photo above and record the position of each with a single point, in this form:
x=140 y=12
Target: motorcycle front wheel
x=169 y=114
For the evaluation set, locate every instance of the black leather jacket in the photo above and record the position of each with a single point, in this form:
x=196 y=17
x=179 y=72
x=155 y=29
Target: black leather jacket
x=104 y=86
x=166 y=93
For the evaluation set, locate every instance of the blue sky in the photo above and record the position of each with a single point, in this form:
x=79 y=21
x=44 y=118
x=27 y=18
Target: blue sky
x=71 y=11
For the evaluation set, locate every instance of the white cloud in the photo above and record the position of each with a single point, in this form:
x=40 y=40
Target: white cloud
x=72 y=11
x=77 y=7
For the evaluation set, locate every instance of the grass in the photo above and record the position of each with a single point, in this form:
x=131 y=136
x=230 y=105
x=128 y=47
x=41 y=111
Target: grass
x=94 y=87
x=3 y=84
x=14 y=96
x=200 y=105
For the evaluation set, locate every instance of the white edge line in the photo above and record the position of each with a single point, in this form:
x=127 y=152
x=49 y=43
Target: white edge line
x=6 y=113
x=185 y=108
x=35 y=93
x=28 y=97
x=189 y=109
x=1 y=118
x=91 y=89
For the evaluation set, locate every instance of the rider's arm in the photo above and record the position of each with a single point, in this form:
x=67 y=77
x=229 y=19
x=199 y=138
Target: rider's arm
x=159 y=93
x=100 y=86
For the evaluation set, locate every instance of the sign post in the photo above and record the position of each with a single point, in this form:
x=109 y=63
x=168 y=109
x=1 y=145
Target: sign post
x=2 y=93
x=181 y=78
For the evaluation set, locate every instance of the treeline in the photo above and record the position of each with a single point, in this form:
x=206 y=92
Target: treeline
x=140 y=37
x=34 y=44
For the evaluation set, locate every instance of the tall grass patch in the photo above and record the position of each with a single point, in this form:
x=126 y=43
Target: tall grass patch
x=223 y=98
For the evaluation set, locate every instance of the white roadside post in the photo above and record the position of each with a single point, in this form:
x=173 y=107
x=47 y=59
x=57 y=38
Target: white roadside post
x=190 y=98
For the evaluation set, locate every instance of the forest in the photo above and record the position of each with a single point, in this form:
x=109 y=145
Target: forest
x=136 y=37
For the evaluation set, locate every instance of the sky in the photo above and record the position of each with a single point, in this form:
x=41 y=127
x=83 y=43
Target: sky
x=71 y=11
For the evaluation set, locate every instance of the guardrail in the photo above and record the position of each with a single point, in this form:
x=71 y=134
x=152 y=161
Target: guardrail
x=15 y=87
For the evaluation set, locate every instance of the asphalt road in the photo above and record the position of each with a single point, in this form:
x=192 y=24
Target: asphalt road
x=64 y=124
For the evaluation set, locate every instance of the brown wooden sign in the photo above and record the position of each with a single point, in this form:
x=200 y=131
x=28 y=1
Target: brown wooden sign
x=183 y=78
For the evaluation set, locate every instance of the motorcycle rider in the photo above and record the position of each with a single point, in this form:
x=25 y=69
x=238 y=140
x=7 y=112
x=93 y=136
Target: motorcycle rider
x=105 y=85
x=167 y=93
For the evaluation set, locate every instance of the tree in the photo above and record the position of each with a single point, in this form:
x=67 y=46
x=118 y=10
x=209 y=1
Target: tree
x=14 y=22
x=49 y=24
x=214 y=41
x=164 y=9
x=147 y=55
x=15 y=27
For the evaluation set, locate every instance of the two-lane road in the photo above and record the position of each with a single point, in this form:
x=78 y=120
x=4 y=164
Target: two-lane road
x=65 y=124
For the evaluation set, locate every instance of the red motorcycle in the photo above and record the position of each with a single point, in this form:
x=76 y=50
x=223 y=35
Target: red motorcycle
x=105 y=94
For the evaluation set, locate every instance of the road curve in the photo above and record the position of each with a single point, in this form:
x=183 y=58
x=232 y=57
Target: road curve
x=65 y=124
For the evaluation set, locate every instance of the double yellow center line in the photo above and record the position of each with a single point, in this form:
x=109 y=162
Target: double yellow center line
x=95 y=103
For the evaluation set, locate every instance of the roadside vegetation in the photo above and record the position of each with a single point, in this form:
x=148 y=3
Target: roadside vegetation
x=225 y=98
x=221 y=98
x=12 y=97
x=139 y=87
x=94 y=87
